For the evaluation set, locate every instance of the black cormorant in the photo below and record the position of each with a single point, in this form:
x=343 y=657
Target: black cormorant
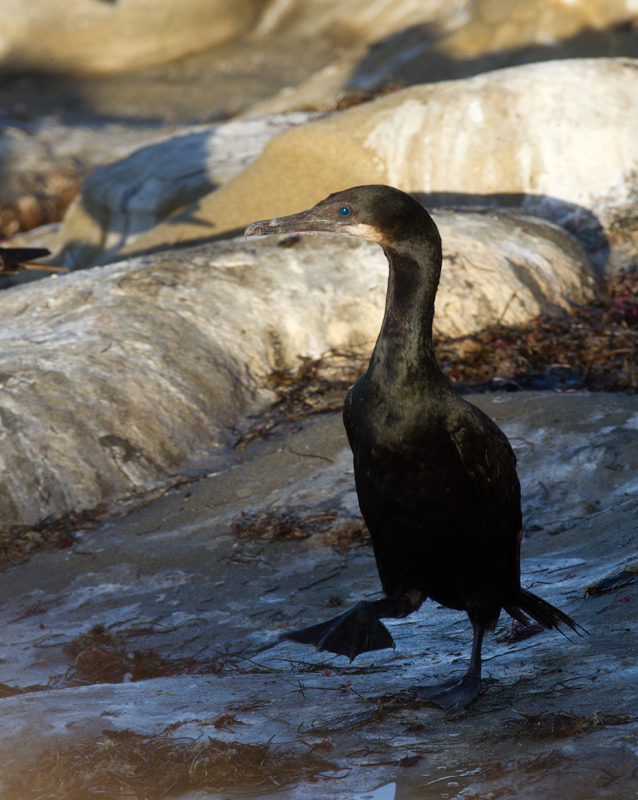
x=15 y=259
x=436 y=477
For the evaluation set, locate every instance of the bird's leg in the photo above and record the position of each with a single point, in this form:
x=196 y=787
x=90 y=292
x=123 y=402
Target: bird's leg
x=358 y=629
x=455 y=694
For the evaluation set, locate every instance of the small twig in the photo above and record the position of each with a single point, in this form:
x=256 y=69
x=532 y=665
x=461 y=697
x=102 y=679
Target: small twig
x=310 y=455
x=322 y=580
x=42 y=267
x=608 y=353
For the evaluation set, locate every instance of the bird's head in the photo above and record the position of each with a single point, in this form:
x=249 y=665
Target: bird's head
x=379 y=213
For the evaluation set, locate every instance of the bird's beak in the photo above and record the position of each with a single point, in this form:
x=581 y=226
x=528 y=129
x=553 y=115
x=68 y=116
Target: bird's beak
x=311 y=221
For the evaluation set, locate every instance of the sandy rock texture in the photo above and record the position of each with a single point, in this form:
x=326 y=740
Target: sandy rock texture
x=354 y=21
x=285 y=54
x=114 y=378
x=84 y=36
x=122 y=200
x=520 y=137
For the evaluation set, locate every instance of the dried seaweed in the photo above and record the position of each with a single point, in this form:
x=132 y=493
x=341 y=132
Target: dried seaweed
x=317 y=386
x=17 y=542
x=561 y=724
x=595 y=347
x=344 y=722
x=516 y=632
x=333 y=528
x=102 y=656
x=356 y=97
x=43 y=199
x=524 y=772
x=149 y=767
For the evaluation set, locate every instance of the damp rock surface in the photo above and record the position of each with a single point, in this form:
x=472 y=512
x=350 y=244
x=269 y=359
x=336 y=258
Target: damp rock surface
x=186 y=577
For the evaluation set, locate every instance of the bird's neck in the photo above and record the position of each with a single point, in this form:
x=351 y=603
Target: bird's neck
x=404 y=354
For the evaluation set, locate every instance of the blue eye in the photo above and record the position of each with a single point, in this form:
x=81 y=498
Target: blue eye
x=344 y=211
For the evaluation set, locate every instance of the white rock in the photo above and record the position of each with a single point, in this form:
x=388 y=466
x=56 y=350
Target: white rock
x=114 y=378
x=523 y=137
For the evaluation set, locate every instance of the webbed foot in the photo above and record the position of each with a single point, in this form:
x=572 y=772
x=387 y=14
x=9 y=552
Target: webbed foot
x=452 y=695
x=356 y=631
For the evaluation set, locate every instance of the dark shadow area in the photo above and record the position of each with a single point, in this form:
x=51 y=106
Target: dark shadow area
x=580 y=222
x=416 y=55
x=170 y=175
x=205 y=87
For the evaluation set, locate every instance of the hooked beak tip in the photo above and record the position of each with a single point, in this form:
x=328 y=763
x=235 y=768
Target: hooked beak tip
x=252 y=230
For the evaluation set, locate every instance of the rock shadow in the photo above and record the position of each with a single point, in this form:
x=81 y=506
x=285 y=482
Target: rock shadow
x=415 y=55
x=172 y=174
x=580 y=222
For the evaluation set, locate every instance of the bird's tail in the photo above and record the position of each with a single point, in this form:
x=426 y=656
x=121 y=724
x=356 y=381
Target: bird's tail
x=543 y=612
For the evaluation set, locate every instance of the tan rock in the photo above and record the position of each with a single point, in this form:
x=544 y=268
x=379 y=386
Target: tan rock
x=114 y=378
x=427 y=42
x=495 y=26
x=85 y=36
x=522 y=137
x=122 y=200
x=352 y=21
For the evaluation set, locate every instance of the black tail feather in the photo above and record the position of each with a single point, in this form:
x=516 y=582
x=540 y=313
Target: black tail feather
x=543 y=612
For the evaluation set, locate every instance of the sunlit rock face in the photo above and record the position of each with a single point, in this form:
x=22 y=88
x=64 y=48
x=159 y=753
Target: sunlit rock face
x=518 y=137
x=114 y=378
x=122 y=200
x=434 y=41
x=87 y=37
x=491 y=34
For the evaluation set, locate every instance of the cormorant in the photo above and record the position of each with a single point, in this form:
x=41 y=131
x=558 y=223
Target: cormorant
x=15 y=259
x=435 y=476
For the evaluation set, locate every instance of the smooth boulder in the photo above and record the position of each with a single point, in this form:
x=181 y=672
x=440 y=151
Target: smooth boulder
x=519 y=137
x=122 y=200
x=87 y=37
x=434 y=41
x=113 y=379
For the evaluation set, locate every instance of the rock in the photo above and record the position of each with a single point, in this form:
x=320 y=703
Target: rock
x=352 y=22
x=507 y=267
x=37 y=153
x=85 y=36
x=519 y=137
x=492 y=34
x=43 y=165
x=113 y=379
x=171 y=580
x=120 y=201
x=430 y=42
x=321 y=90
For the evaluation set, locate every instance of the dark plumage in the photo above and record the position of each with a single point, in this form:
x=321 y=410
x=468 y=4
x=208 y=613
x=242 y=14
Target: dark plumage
x=15 y=259
x=436 y=477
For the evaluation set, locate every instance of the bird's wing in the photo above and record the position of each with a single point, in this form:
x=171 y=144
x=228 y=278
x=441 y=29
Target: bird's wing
x=489 y=461
x=347 y=417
